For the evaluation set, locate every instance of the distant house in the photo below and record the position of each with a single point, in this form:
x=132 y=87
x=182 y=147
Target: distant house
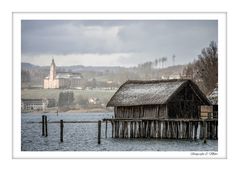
x=213 y=98
x=37 y=104
x=174 y=76
x=34 y=104
x=164 y=77
x=158 y=99
x=94 y=100
x=109 y=82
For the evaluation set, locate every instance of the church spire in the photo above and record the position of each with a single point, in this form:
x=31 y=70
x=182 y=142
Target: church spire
x=53 y=70
x=52 y=61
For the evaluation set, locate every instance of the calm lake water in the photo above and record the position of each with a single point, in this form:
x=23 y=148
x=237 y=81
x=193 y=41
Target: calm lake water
x=83 y=136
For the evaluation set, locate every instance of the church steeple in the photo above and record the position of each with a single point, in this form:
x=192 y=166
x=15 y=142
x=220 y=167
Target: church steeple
x=52 y=70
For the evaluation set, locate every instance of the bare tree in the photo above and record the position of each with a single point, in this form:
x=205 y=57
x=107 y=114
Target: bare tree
x=204 y=71
x=188 y=71
x=164 y=59
x=160 y=61
x=207 y=66
x=156 y=63
x=25 y=76
x=173 y=57
x=65 y=98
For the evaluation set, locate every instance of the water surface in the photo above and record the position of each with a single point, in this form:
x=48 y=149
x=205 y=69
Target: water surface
x=83 y=136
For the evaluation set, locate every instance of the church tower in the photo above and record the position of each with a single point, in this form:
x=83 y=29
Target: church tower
x=51 y=81
x=52 y=75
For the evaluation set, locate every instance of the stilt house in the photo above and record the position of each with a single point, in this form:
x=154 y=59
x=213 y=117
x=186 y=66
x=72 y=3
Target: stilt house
x=158 y=99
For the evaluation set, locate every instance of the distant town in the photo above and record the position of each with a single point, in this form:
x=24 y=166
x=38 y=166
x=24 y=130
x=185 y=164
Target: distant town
x=88 y=88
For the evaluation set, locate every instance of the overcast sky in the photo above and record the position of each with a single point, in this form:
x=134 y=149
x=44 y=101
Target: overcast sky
x=114 y=42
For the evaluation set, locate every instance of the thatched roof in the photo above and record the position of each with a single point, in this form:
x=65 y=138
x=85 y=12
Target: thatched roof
x=134 y=93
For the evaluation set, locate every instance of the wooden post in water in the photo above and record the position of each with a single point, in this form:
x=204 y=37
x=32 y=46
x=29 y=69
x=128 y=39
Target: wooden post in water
x=216 y=125
x=190 y=130
x=209 y=130
x=113 y=128
x=99 y=131
x=126 y=129
x=116 y=129
x=106 y=124
x=46 y=130
x=177 y=130
x=131 y=129
x=160 y=129
x=147 y=129
x=43 y=125
x=204 y=132
x=122 y=129
x=166 y=129
x=195 y=130
x=61 y=130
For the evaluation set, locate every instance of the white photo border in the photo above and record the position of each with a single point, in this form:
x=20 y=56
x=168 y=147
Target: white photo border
x=16 y=79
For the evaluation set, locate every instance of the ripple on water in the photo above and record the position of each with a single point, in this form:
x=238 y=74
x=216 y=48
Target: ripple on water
x=83 y=137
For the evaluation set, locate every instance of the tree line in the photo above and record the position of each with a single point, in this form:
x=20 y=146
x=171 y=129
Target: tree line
x=157 y=63
x=204 y=70
x=66 y=98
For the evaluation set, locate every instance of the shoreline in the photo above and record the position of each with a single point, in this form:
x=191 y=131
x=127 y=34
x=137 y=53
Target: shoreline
x=95 y=110
x=88 y=111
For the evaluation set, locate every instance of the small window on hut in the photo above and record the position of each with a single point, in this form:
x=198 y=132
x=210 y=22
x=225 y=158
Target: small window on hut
x=206 y=112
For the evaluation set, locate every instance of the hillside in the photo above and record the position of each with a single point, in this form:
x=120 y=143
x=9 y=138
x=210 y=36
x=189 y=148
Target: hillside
x=33 y=75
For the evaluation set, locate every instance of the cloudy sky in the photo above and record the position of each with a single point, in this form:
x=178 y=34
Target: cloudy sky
x=114 y=42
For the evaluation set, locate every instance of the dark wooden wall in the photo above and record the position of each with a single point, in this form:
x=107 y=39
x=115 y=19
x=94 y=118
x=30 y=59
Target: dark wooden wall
x=184 y=105
x=145 y=111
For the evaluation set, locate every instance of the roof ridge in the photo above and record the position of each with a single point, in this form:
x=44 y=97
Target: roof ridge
x=154 y=81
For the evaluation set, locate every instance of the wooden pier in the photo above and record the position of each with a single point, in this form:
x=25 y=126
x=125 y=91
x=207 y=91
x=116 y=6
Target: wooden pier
x=189 y=129
x=164 y=128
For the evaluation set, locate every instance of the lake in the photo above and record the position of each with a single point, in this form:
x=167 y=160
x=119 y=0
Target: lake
x=83 y=136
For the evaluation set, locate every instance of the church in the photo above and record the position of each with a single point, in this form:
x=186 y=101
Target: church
x=61 y=80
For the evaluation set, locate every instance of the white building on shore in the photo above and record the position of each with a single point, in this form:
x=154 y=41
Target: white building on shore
x=61 y=80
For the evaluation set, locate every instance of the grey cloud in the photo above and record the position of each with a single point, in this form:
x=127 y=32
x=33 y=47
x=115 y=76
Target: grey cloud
x=154 y=38
x=63 y=37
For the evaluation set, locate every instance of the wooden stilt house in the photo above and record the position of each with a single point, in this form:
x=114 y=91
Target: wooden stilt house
x=158 y=99
x=161 y=109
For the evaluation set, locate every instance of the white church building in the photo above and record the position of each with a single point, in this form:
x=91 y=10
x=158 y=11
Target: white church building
x=61 y=80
